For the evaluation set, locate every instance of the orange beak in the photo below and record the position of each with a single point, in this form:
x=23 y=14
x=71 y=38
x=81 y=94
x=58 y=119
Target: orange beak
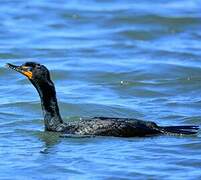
x=21 y=69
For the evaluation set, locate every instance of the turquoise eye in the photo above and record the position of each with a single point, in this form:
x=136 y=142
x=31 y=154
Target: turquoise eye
x=29 y=68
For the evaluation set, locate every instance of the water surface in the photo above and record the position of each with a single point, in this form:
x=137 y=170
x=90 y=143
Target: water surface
x=120 y=58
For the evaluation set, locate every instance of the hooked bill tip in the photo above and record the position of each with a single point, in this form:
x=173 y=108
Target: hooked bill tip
x=11 y=66
x=7 y=65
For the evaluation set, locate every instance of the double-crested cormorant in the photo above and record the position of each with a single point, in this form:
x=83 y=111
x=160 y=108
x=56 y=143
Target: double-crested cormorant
x=97 y=126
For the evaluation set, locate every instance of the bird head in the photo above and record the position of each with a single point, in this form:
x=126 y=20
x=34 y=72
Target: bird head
x=35 y=72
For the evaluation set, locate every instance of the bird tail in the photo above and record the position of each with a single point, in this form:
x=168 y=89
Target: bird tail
x=181 y=130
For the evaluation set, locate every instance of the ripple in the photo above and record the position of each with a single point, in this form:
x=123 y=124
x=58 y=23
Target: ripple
x=107 y=58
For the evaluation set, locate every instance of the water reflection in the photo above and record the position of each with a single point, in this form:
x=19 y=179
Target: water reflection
x=49 y=139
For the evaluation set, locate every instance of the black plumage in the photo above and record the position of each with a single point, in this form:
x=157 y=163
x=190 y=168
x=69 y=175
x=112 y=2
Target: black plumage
x=97 y=126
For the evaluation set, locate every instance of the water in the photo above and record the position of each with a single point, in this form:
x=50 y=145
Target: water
x=107 y=58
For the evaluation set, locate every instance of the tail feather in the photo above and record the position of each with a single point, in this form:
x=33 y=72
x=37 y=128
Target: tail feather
x=183 y=130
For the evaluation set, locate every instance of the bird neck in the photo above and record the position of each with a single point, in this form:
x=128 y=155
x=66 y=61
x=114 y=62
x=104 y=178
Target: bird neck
x=47 y=93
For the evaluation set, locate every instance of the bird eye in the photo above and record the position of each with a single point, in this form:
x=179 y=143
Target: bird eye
x=29 y=68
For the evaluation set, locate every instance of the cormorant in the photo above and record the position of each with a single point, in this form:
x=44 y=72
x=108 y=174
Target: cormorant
x=39 y=76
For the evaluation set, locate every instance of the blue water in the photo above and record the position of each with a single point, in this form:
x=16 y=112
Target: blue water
x=138 y=59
